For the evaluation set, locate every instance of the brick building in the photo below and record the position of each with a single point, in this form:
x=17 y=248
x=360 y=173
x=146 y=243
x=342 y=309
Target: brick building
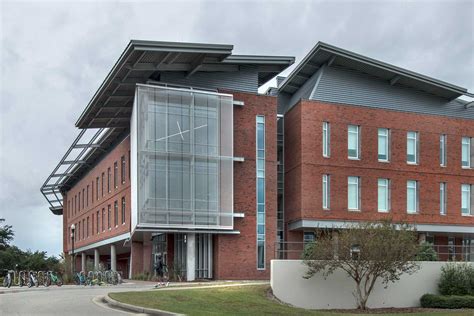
x=179 y=155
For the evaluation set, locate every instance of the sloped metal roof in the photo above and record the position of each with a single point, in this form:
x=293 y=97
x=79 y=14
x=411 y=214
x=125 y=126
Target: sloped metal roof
x=144 y=60
x=325 y=54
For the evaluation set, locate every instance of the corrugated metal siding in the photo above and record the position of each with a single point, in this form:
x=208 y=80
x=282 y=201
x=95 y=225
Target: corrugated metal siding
x=340 y=85
x=306 y=89
x=244 y=80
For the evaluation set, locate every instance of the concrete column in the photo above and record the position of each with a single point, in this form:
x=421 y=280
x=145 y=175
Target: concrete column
x=83 y=262
x=96 y=259
x=335 y=243
x=113 y=258
x=191 y=257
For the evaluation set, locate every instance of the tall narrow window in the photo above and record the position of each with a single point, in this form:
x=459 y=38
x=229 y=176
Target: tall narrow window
x=123 y=166
x=353 y=141
x=103 y=219
x=108 y=217
x=79 y=203
x=103 y=182
x=116 y=213
x=87 y=227
x=92 y=192
x=412 y=147
x=260 y=192
x=75 y=204
x=87 y=197
x=98 y=219
x=83 y=197
x=466 y=199
x=442 y=150
x=326 y=139
x=109 y=175
x=326 y=191
x=97 y=188
x=123 y=210
x=353 y=193
x=466 y=152
x=412 y=196
x=84 y=228
x=92 y=222
x=383 y=195
x=79 y=231
x=384 y=144
x=442 y=198
x=115 y=175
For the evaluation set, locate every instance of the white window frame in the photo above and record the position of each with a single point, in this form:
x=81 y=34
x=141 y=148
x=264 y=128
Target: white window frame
x=351 y=181
x=326 y=139
x=443 y=198
x=326 y=192
x=416 y=142
x=357 y=133
x=413 y=184
x=466 y=188
x=466 y=141
x=386 y=185
x=442 y=150
x=386 y=134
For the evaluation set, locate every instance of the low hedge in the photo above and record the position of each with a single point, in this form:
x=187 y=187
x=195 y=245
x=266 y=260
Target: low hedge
x=447 y=301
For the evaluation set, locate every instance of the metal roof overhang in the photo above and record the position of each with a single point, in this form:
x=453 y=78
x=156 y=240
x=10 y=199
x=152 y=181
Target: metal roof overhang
x=141 y=61
x=325 y=54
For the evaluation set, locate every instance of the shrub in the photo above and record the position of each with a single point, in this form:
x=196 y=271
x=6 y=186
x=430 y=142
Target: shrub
x=426 y=253
x=457 y=279
x=451 y=301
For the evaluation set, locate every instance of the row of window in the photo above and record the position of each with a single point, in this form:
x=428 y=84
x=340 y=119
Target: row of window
x=384 y=148
x=383 y=195
x=81 y=201
x=81 y=234
x=260 y=148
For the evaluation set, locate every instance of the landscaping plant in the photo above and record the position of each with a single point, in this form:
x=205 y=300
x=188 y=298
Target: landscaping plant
x=367 y=252
x=457 y=279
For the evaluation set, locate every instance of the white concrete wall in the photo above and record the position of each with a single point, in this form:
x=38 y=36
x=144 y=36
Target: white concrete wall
x=336 y=292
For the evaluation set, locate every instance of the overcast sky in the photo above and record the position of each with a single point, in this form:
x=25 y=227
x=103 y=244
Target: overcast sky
x=54 y=57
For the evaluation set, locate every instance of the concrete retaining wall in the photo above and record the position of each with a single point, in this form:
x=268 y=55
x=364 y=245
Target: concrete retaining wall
x=336 y=292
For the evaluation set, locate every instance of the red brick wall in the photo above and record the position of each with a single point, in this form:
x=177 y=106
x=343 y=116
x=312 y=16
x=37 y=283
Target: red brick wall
x=235 y=256
x=94 y=204
x=304 y=163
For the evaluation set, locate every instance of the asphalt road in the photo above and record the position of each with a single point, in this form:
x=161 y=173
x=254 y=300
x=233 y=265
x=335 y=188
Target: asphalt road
x=67 y=300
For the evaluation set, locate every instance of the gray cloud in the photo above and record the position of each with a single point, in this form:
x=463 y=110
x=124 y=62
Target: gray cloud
x=54 y=57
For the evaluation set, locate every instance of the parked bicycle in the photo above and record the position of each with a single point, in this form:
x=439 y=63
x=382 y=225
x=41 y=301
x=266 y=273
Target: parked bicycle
x=80 y=278
x=22 y=278
x=52 y=278
x=8 y=279
x=33 y=279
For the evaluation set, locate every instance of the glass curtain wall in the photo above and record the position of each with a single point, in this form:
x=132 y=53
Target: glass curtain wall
x=185 y=158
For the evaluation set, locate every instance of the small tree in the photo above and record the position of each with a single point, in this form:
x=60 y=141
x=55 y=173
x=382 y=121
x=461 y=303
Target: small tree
x=367 y=252
x=426 y=253
x=6 y=234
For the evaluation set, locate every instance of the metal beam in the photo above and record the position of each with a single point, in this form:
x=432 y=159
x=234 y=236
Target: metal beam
x=62 y=175
x=68 y=162
x=394 y=80
x=331 y=60
x=197 y=63
x=86 y=146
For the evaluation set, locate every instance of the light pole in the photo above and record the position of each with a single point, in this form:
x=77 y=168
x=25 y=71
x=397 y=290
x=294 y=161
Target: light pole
x=73 y=263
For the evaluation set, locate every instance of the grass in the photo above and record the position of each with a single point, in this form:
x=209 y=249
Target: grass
x=244 y=300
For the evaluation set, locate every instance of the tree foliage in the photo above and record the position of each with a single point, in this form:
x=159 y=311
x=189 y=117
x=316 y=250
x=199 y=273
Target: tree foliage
x=12 y=257
x=367 y=252
x=426 y=253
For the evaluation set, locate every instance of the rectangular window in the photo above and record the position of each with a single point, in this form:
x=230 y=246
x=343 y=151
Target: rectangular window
x=87 y=197
x=326 y=191
x=103 y=181
x=79 y=203
x=123 y=210
x=442 y=150
x=442 y=198
x=326 y=139
x=353 y=193
x=87 y=227
x=260 y=137
x=92 y=192
x=98 y=220
x=384 y=144
x=412 y=147
x=353 y=141
x=79 y=231
x=92 y=227
x=466 y=152
x=115 y=175
x=75 y=204
x=383 y=195
x=116 y=213
x=103 y=219
x=84 y=229
x=83 y=197
x=97 y=188
x=466 y=199
x=308 y=237
x=412 y=196
x=109 y=176
x=108 y=217
x=129 y=162
x=122 y=172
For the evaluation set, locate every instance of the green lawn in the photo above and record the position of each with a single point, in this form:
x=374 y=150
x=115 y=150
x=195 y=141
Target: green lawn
x=245 y=300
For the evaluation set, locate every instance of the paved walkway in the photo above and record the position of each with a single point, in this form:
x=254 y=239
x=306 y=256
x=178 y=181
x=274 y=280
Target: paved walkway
x=74 y=300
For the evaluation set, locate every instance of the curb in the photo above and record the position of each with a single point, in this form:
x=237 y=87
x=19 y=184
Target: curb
x=138 y=309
